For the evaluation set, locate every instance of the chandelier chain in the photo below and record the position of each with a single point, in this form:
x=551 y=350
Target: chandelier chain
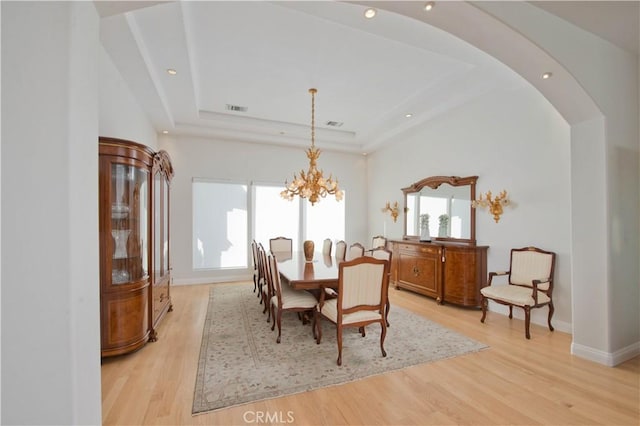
x=313 y=117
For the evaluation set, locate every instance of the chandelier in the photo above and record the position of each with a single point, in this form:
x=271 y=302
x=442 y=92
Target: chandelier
x=312 y=184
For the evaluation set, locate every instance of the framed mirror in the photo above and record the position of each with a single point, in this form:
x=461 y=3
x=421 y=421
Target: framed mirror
x=445 y=203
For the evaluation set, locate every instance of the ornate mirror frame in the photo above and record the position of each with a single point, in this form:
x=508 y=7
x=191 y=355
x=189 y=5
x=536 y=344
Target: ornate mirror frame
x=434 y=183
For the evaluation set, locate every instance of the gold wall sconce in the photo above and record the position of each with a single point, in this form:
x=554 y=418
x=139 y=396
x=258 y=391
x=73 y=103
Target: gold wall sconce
x=494 y=204
x=392 y=209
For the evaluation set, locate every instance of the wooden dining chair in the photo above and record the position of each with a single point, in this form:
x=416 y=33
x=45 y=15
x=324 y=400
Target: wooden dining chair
x=384 y=254
x=266 y=290
x=355 y=250
x=378 y=241
x=254 y=257
x=361 y=299
x=281 y=245
x=261 y=279
x=326 y=247
x=341 y=250
x=286 y=299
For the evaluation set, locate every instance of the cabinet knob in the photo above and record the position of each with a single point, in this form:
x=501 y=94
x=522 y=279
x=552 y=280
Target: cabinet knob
x=416 y=271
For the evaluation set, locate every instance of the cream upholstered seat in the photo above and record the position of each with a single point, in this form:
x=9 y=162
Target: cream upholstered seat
x=341 y=250
x=355 y=250
x=285 y=298
x=530 y=284
x=360 y=301
x=326 y=247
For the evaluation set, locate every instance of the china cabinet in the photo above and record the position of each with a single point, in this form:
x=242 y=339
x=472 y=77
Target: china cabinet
x=134 y=243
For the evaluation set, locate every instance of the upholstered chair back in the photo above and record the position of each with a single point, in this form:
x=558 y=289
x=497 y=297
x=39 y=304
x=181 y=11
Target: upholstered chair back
x=527 y=266
x=281 y=245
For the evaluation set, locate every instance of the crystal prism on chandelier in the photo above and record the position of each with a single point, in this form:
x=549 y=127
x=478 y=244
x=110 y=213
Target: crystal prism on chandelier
x=312 y=184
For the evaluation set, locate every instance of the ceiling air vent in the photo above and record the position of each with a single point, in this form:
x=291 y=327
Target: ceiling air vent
x=334 y=123
x=237 y=108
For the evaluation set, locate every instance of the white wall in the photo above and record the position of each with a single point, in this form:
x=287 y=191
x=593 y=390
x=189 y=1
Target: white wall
x=611 y=333
x=120 y=114
x=246 y=162
x=50 y=288
x=513 y=140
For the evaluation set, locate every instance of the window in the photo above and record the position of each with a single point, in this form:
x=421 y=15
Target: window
x=275 y=216
x=219 y=225
x=296 y=219
x=220 y=221
x=325 y=220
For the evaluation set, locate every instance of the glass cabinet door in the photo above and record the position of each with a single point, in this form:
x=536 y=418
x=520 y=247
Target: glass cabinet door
x=160 y=226
x=129 y=216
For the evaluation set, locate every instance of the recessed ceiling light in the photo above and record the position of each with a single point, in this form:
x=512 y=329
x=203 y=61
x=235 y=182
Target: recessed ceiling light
x=429 y=6
x=408 y=115
x=171 y=71
x=547 y=75
x=370 y=13
x=165 y=132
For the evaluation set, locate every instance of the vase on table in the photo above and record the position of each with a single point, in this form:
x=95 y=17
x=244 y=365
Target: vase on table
x=308 y=247
x=424 y=234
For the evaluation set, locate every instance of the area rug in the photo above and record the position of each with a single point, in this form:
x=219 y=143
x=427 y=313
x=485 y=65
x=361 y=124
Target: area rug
x=241 y=362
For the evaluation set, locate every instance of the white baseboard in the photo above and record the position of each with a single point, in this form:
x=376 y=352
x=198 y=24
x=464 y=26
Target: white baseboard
x=610 y=359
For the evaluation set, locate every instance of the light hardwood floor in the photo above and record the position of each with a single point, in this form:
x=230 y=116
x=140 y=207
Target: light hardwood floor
x=515 y=381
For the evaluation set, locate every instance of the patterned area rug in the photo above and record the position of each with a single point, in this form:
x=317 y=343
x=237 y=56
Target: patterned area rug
x=241 y=362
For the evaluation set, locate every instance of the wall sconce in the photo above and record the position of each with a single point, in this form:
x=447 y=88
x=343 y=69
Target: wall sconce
x=393 y=210
x=494 y=205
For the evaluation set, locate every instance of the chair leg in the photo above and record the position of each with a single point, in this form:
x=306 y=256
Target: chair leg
x=484 y=303
x=255 y=284
x=266 y=306
x=270 y=310
x=551 y=310
x=318 y=327
x=339 y=332
x=279 y=320
x=313 y=324
x=386 y=312
x=527 y=321
x=382 y=336
x=273 y=317
x=361 y=330
x=510 y=312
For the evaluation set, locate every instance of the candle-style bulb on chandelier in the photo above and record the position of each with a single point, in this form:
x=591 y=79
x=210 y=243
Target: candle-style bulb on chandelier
x=312 y=184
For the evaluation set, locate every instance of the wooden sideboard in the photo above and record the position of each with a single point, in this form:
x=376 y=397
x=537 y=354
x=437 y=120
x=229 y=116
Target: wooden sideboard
x=448 y=272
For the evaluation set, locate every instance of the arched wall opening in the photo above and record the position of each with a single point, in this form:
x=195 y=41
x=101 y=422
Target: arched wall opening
x=512 y=33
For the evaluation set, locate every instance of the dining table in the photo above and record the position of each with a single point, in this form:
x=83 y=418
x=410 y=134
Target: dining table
x=300 y=274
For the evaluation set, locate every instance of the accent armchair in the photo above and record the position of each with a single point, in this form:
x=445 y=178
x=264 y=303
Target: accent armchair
x=530 y=284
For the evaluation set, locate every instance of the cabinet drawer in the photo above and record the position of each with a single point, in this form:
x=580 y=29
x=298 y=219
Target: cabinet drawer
x=417 y=249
